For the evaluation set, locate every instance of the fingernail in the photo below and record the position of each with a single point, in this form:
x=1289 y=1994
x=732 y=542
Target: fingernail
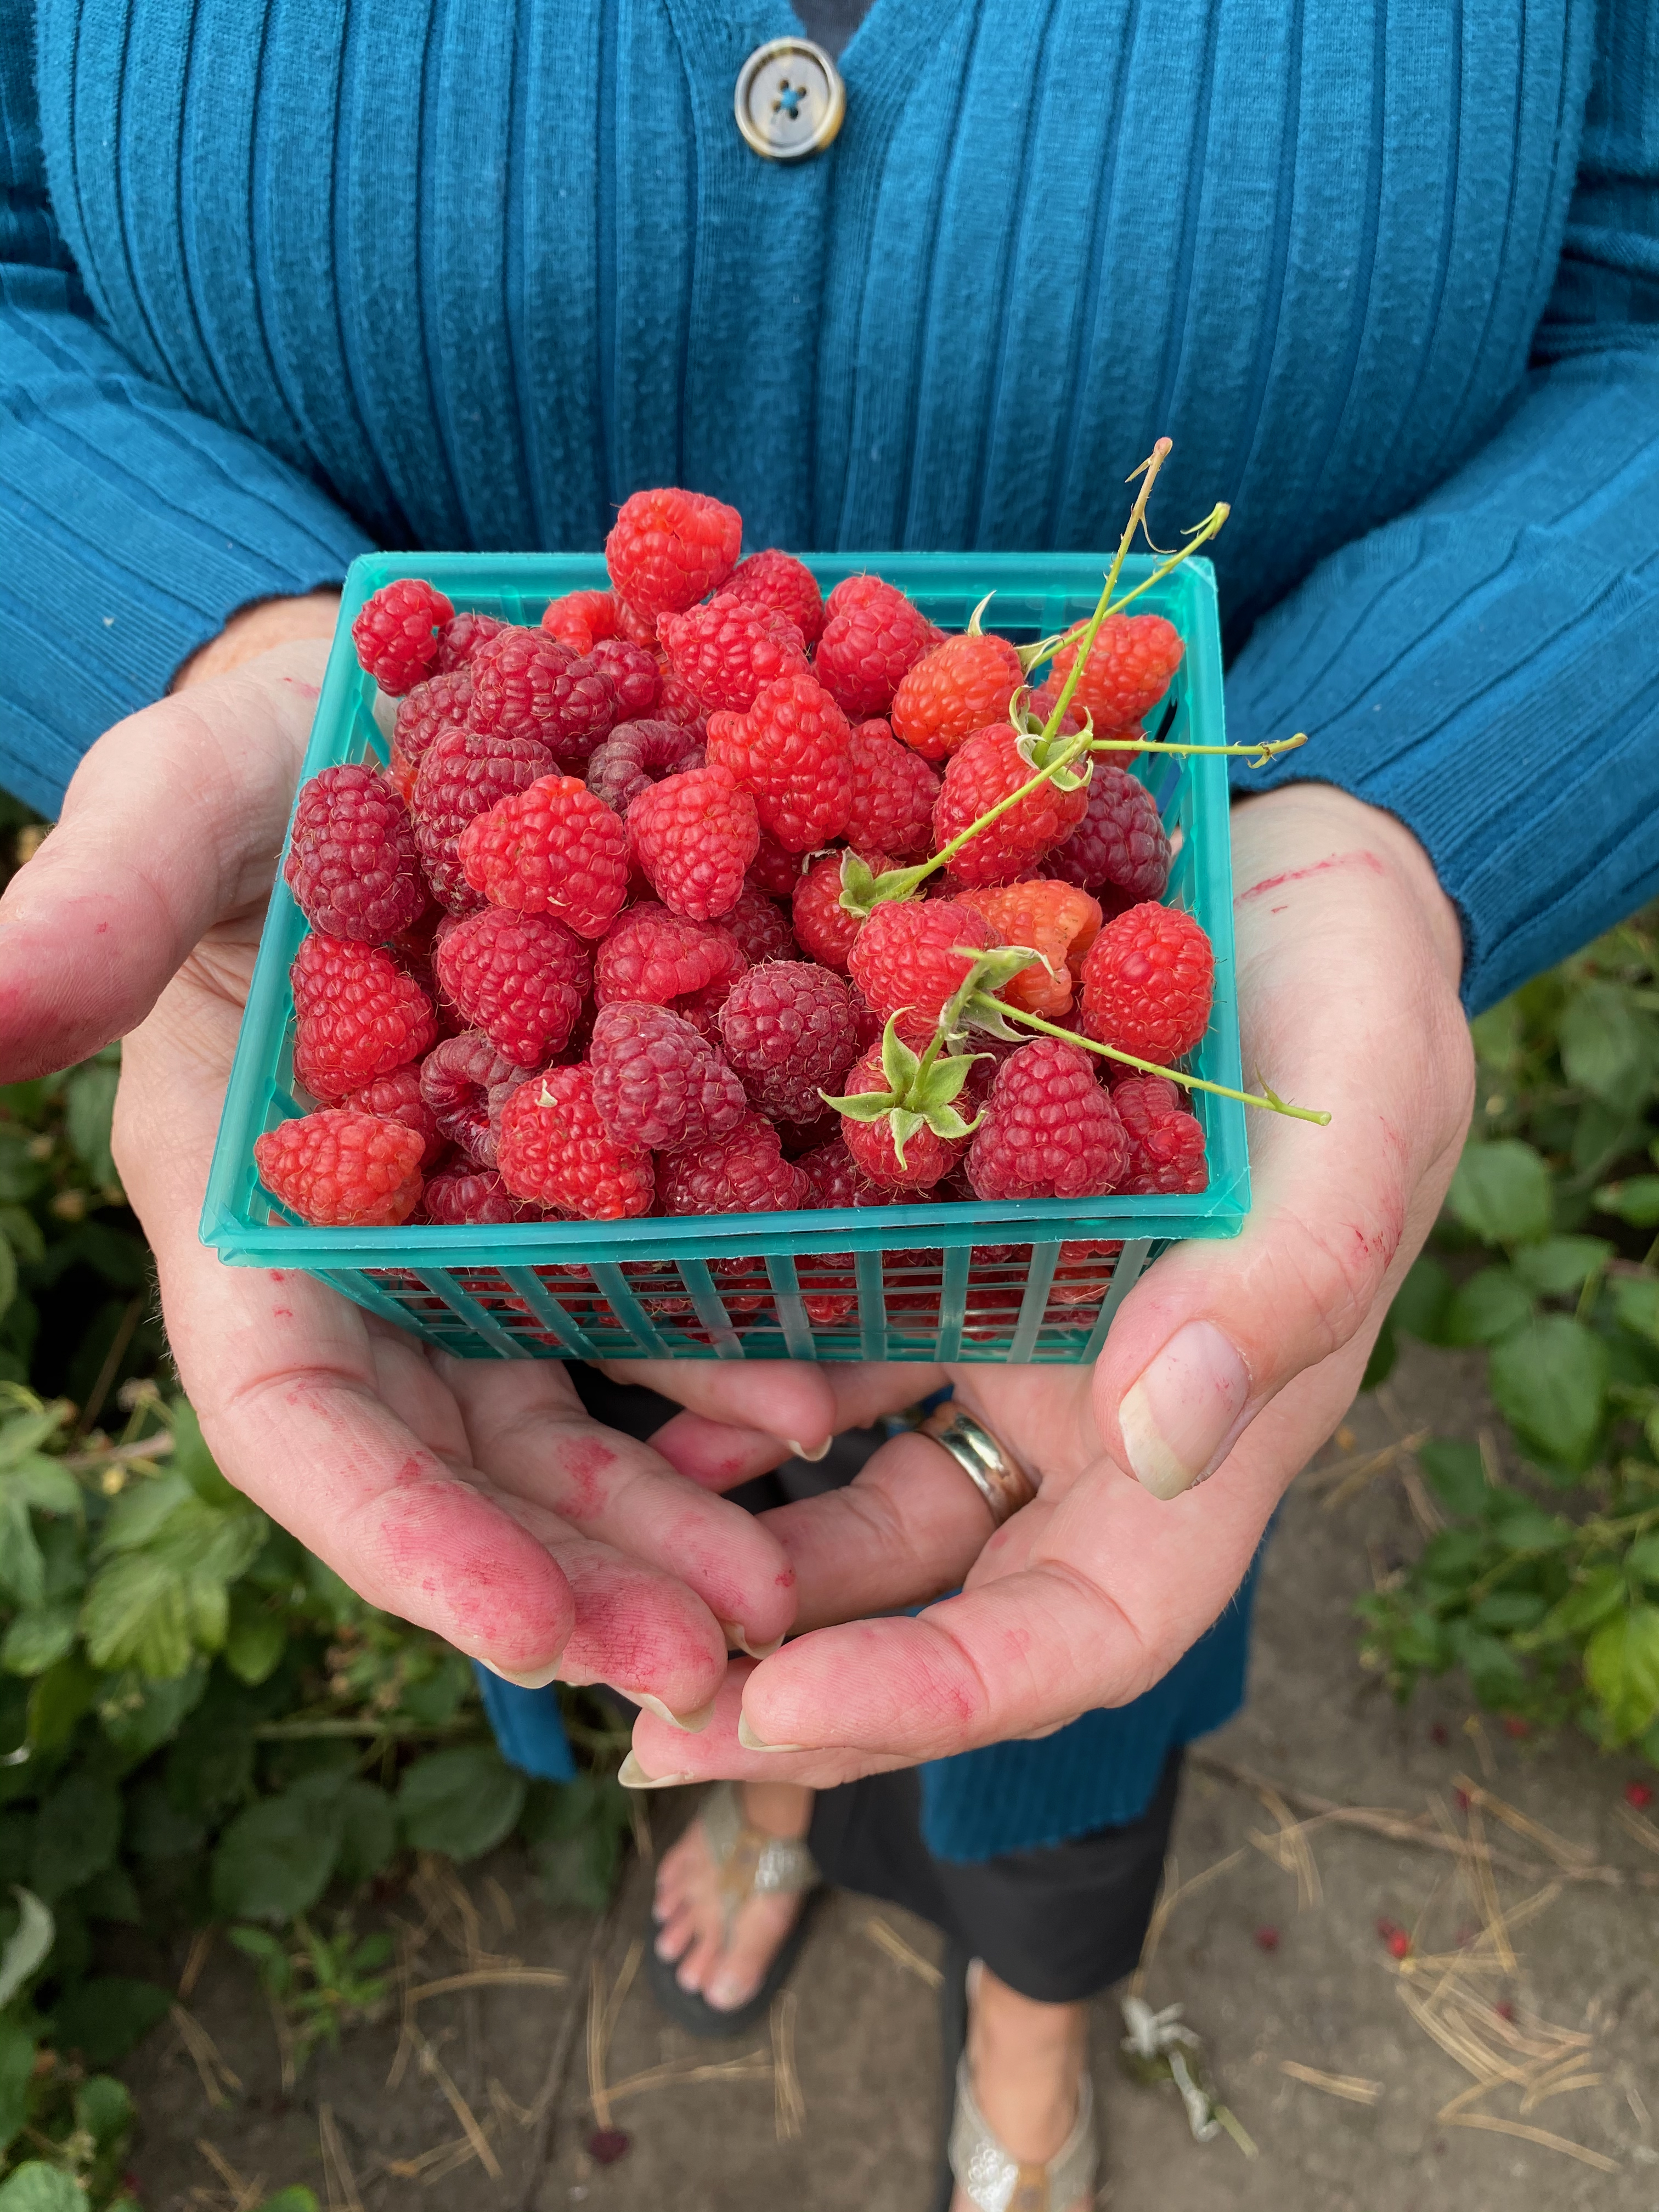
x=801 y=1452
x=633 y=1776
x=693 y=1723
x=538 y=1681
x=750 y=1741
x=736 y=1640
x=1177 y=1418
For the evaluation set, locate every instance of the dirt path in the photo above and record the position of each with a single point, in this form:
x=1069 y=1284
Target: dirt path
x=1276 y=1958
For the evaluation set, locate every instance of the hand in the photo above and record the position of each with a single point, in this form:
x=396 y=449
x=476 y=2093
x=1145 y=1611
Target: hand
x=475 y=1498
x=1230 y=1361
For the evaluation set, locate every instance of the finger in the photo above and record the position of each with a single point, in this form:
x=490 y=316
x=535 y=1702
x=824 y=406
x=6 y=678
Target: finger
x=173 y=819
x=663 y=1757
x=789 y=1399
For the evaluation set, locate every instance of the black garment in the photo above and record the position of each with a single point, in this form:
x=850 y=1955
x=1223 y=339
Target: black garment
x=831 y=23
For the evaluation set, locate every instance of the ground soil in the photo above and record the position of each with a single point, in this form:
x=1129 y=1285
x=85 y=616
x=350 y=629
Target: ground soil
x=1273 y=1967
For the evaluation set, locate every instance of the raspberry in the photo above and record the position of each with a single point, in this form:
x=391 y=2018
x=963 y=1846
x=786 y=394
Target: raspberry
x=742 y=1172
x=358 y=1016
x=760 y=926
x=1166 y=1142
x=472 y=1195
x=927 y=1156
x=840 y=1180
x=873 y=637
x=665 y=959
x=526 y=684
x=773 y=870
x=1147 y=983
x=635 y=755
x=581 y=619
x=337 y=1168
x=913 y=956
x=398 y=1097
x=658 y=1082
x=1054 y=919
x=726 y=651
x=823 y=927
x=978 y=775
x=790 y=749
x=351 y=865
x=394 y=633
x=1119 y=849
x=460 y=638
x=694 y=835
x=463 y=774
x=678 y=702
x=1049 y=1131
x=552 y=848
x=1128 y=671
x=961 y=686
x=669 y=548
x=632 y=673
x=772 y=579
x=465 y=1082
x=520 y=978
x=555 y=1151
x=441 y=702
x=789 y=1030
x=894 y=793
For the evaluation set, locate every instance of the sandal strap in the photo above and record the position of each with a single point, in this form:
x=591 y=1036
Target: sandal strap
x=750 y=1862
x=994 y=2180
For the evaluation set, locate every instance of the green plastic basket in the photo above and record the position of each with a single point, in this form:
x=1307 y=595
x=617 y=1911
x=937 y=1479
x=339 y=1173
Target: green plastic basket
x=926 y=1282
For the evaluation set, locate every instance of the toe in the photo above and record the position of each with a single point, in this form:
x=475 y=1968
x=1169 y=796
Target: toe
x=697 y=1967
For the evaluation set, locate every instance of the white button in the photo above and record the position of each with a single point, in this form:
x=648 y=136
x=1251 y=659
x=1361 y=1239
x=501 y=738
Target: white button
x=791 y=100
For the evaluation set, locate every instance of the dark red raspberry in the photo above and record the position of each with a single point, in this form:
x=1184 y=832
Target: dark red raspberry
x=398 y=1097
x=555 y=1151
x=438 y=703
x=912 y=956
x=632 y=673
x=742 y=1172
x=823 y=927
x=1166 y=1142
x=961 y=686
x=1119 y=850
x=1049 y=1130
x=869 y=1022
x=789 y=1030
x=637 y=755
x=338 y=1168
x=658 y=1082
x=581 y=620
x=472 y=1196
x=551 y=848
x=666 y=959
x=726 y=651
x=668 y=549
x=928 y=1157
x=760 y=926
x=894 y=794
x=873 y=637
x=520 y=978
x=1148 y=982
x=352 y=865
x=460 y=638
x=526 y=684
x=465 y=1081
x=694 y=835
x=464 y=773
x=840 y=1180
x=1128 y=671
x=678 y=702
x=1054 y=919
x=790 y=749
x=395 y=633
x=772 y=578
x=357 y=1016
x=978 y=776
x=773 y=870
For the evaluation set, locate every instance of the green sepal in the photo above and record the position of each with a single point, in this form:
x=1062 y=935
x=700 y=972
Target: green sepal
x=862 y=889
x=905 y=1125
x=1036 y=751
x=863 y=1105
x=989 y=972
x=919 y=1090
x=898 y=1063
x=974 y=628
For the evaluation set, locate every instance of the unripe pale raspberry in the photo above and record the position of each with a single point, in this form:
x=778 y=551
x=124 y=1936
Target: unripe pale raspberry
x=961 y=686
x=338 y=1169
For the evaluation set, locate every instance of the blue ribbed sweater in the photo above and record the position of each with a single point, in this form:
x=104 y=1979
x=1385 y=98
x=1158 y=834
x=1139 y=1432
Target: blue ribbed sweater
x=282 y=279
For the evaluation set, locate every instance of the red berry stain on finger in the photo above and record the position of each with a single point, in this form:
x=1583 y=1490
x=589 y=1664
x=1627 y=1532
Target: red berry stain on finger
x=1360 y=859
x=582 y=1464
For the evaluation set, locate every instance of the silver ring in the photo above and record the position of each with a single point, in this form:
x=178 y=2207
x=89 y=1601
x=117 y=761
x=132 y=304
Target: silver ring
x=999 y=1479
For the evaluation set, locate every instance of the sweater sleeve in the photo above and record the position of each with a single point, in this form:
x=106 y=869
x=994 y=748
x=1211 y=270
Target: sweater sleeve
x=130 y=526
x=1487 y=666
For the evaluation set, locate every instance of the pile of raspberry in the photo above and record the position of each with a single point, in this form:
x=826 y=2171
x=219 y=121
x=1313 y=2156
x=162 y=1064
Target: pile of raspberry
x=578 y=952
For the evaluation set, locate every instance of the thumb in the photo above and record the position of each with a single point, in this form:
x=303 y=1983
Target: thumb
x=173 y=821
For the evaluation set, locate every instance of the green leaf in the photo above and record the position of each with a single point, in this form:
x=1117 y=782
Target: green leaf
x=1636 y=1200
x=211 y=1766
x=1457 y=1475
x=7 y=1272
x=103 y=2108
x=1490 y=1306
x=369 y=1836
x=139 y=1512
x=1505 y=1611
x=58 y=1700
x=1383 y=1354
x=1502 y=1192
x=1585 y=1606
x=38 y=2187
x=1498 y=1036
x=27 y=1946
x=1609 y=1046
x=1549 y=1381
x=103 y=2018
x=295 y=2198
x=192 y=1459
x=1636 y=1304
x=1559 y=1266
x=76 y=1833
x=256 y=1639
x=23 y=1569
x=139 y=1714
x=1419 y=1304
x=17 y=2048
x=274 y=1860
x=1521 y=1526
x=1493 y=1669
x=462 y=1801
x=38 y=1639
x=134 y=1614
x=111 y=1895
x=1621 y=1665
x=88 y=1108
x=1643 y=1558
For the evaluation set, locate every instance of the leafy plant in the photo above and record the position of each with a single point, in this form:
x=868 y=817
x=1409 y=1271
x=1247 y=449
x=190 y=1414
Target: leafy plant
x=320 y=1985
x=1546 y=1591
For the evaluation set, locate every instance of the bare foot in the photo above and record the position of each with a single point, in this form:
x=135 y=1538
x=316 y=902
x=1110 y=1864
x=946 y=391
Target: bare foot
x=691 y=1912
x=1026 y=2061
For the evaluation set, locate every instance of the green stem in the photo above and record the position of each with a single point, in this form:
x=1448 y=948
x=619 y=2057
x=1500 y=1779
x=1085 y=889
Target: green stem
x=1148 y=474
x=981 y=999
x=1269 y=749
